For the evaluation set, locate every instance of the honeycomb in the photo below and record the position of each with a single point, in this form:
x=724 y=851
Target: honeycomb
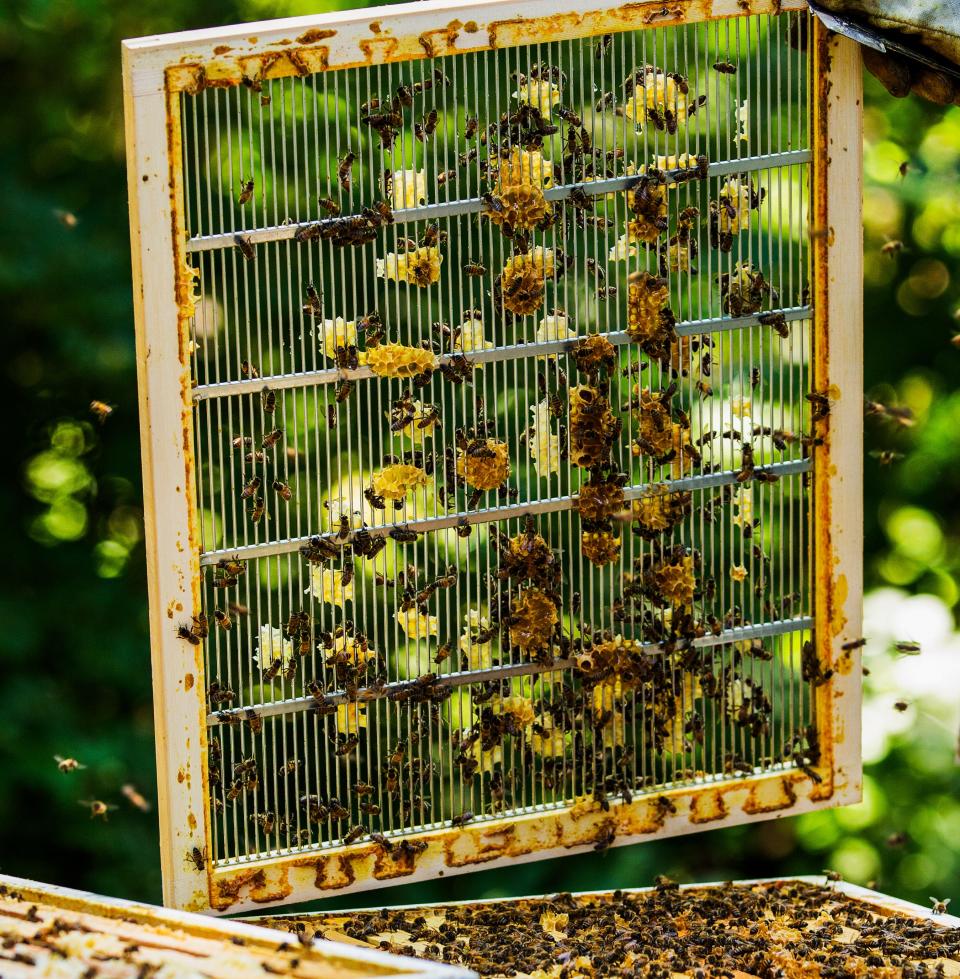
x=600 y=499
x=650 y=321
x=484 y=464
x=520 y=206
x=533 y=618
x=522 y=282
x=419 y=267
x=600 y=547
x=593 y=427
x=397 y=360
x=394 y=482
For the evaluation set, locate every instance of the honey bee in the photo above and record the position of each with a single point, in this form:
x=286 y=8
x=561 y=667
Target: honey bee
x=283 y=490
x=198 y=858
x=328 y=205
x=267 y=821
x=345 y=168
x=353 y=835
x=101 y=410
x=246 y=193
x=347 y=745
x=250 y=488
x=67 y=764
x=568 y=115
x=370 y=808
x=249 y=370
x=892 y=248
x=245 y=247
x=907 y=648
x=446 y=176
x=901 y=705
x=268 y=400
x=940 y=907
x=197 y=631
x=257 y=509
x=603 y=46
x=222 y=619
x=725 y=68
x=382 y=842
x=472 y=125
x=462 y=819
x=97 y=808
x=135 y=799
x=344 y=390
x=854 y=644
x=271 y=438
x=886 y=456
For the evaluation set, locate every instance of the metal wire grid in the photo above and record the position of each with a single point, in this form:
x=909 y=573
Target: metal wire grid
x=288 y=141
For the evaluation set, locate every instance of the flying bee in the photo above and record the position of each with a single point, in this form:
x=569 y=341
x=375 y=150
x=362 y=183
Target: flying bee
x=248 y=370
x=891 y=248
x=100 y=410
x=344 y=390
x=268 y=400
x=246 y=193
x=345 y=169
x=271 y=438
x=886 y=456
x=222 y=619
x=907 y=648
x=475 y=269
x=67 y=764
x=901 y=705
x=853 y=644
x=940 y=907
x=135 y=799
x=245 y=247
x=97 y=808
x=725 y=68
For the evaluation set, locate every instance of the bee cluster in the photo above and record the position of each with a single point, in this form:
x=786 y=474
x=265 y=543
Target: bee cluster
x=453 y=609
x=787 y=928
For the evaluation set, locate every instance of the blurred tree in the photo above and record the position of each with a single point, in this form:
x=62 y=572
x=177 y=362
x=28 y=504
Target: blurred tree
x=73 y=624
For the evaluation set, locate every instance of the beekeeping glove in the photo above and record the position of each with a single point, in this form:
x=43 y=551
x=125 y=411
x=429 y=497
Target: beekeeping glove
x=910 y=45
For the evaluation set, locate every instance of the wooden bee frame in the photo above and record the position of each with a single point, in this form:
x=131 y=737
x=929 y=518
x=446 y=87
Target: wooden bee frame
x=264 y=68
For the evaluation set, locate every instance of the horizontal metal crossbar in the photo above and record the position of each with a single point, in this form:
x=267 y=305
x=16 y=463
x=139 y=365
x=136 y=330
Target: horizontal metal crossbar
x=517 y=351
x=396 y=690
x=472 y=205
x=506 y=512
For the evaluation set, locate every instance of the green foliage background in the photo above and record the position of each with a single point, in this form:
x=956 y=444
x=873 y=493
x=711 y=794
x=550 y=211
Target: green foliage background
x=74 y=654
